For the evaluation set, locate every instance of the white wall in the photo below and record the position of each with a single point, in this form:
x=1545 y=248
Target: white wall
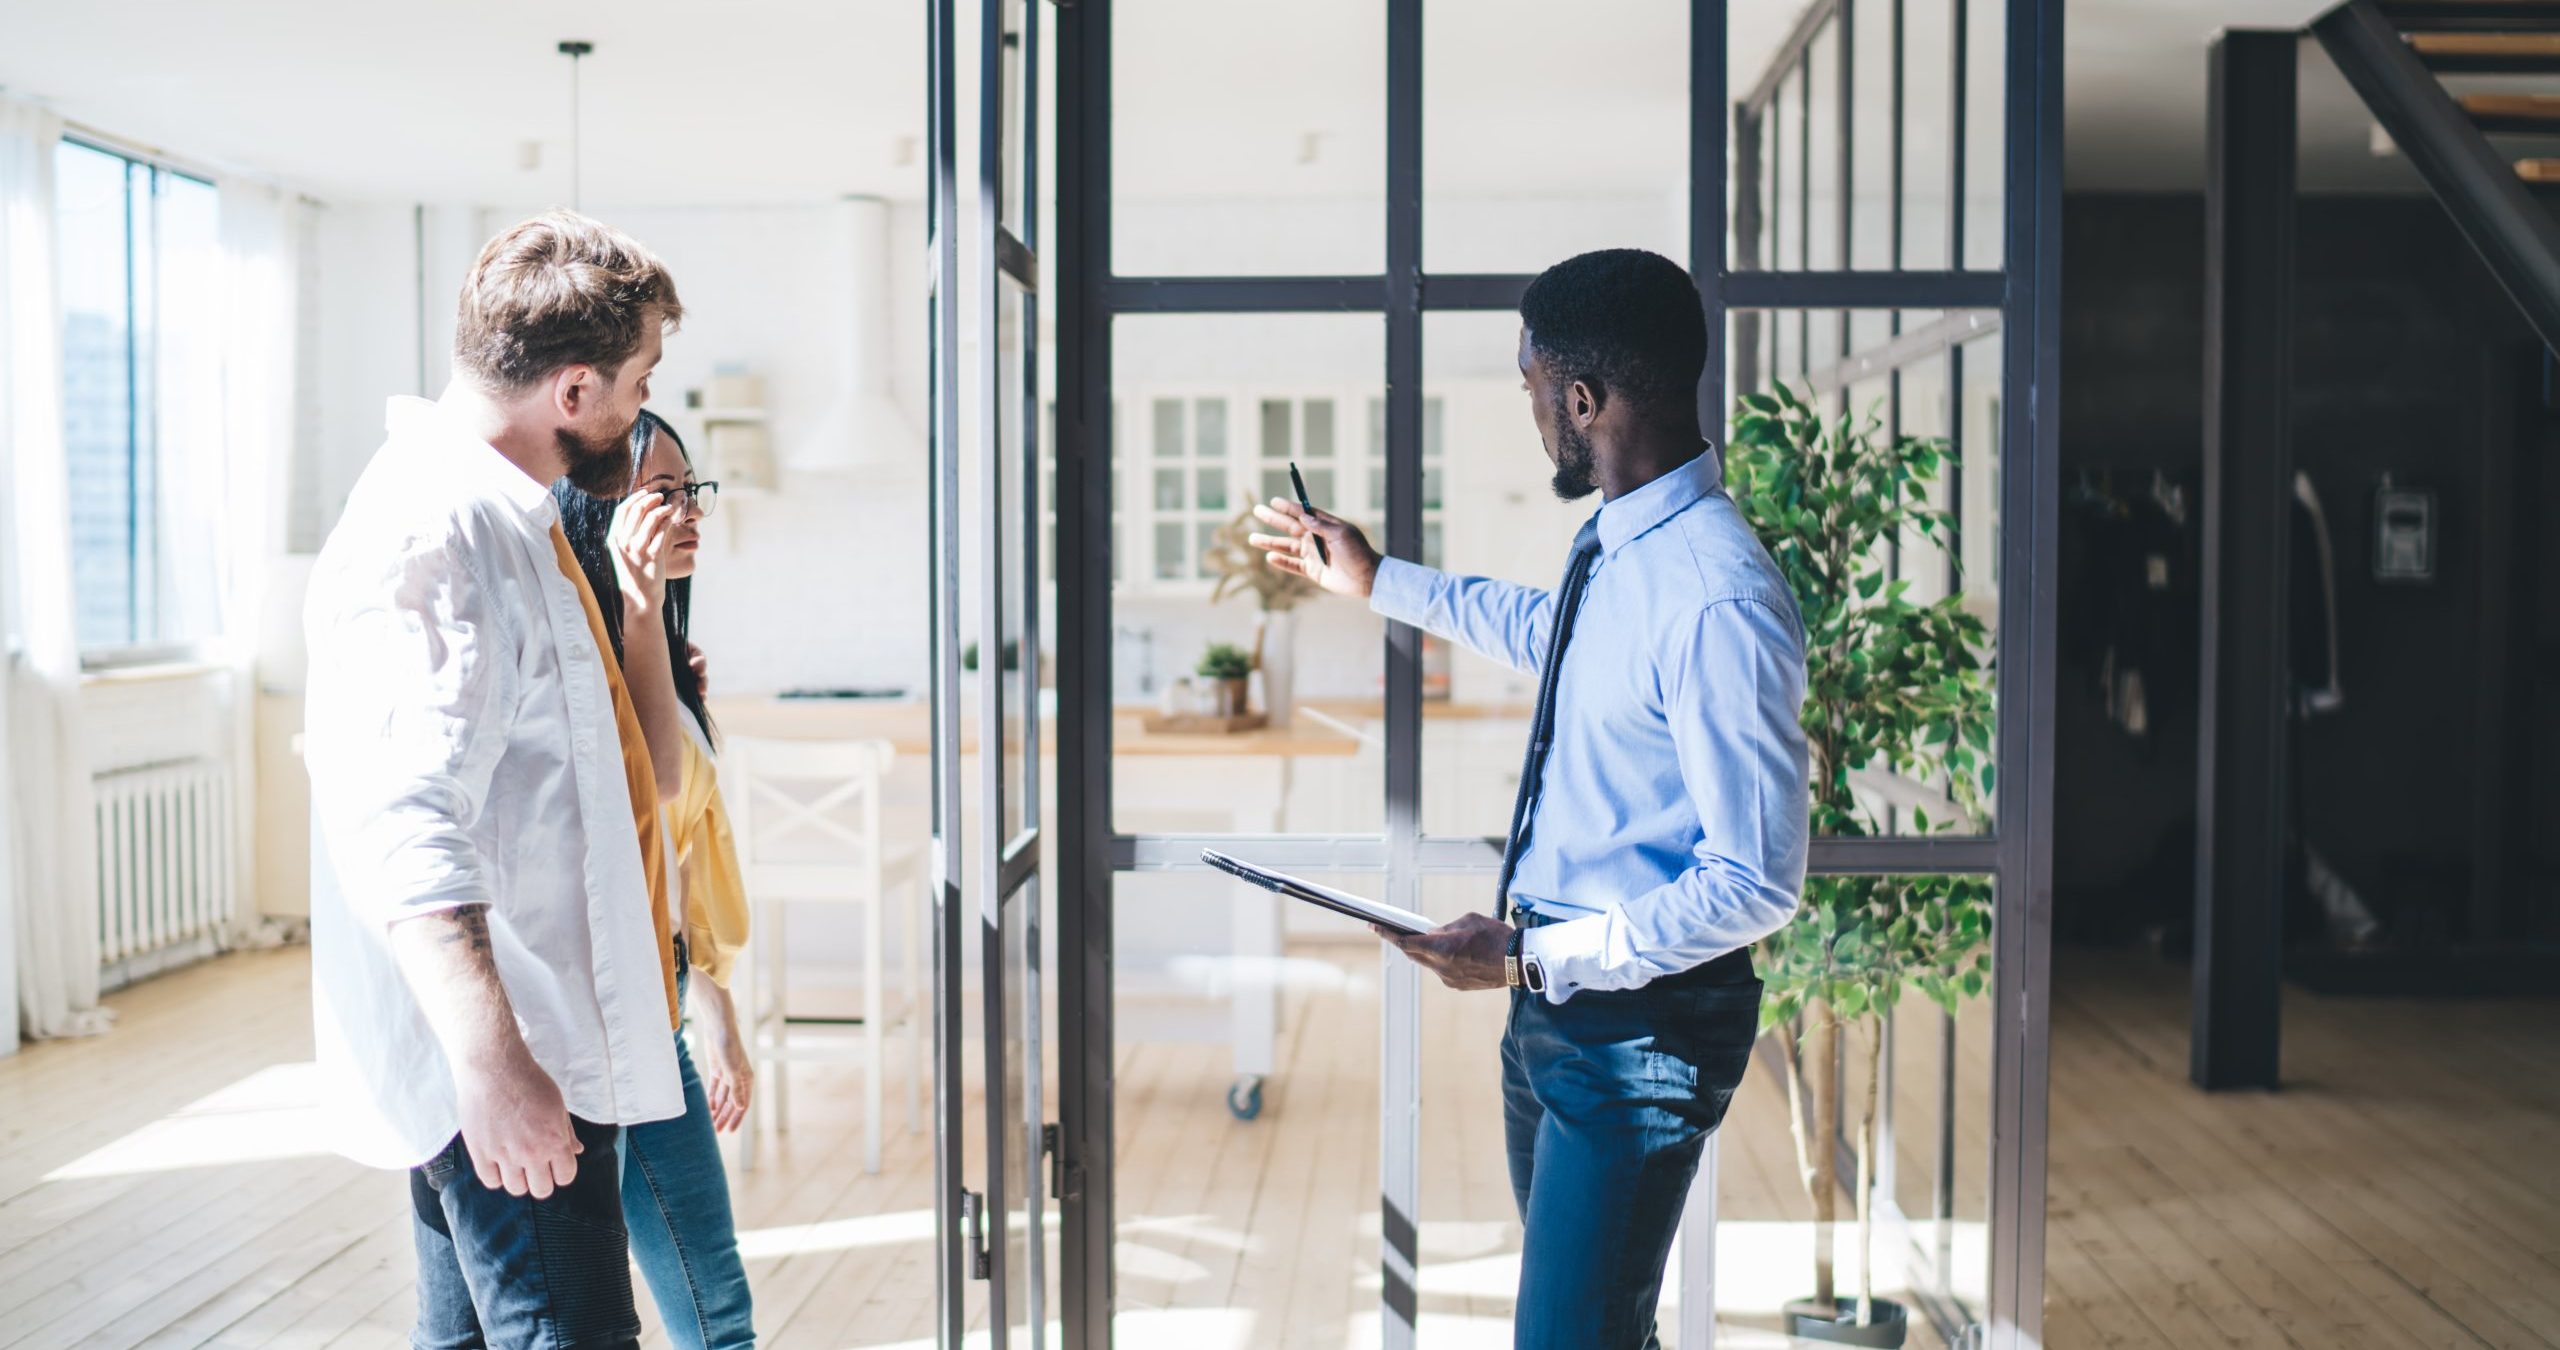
x=821 y=583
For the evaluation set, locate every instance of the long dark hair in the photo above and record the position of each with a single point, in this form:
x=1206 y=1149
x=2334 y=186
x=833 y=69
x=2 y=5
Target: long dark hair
x=587 y=520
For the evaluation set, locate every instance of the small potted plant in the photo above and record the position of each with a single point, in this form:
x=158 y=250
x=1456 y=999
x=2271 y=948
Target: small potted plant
x=1226 y=667
x=1240 y=569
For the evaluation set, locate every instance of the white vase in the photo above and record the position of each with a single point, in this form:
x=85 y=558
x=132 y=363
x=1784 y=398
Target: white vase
x=1279 y=664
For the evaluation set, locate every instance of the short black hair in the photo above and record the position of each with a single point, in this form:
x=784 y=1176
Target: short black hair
x=1623 y=319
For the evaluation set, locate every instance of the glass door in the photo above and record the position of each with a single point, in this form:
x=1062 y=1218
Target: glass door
x=989 y=1109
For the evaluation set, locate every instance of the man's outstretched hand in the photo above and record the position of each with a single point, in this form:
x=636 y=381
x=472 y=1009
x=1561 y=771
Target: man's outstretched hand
x=1466 y=952
x=1350 y=565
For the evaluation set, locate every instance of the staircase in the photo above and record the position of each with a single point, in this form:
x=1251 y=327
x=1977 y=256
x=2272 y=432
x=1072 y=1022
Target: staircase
x=2395 y=54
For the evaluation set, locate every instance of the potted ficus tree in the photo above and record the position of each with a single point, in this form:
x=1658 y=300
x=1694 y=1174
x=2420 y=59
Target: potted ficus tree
x=1894 y=687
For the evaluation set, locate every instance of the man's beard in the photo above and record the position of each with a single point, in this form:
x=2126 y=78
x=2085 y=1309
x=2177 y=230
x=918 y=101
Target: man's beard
x=1577 y=470
x=599 y=468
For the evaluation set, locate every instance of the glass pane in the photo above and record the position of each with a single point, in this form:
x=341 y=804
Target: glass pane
x=1503 y=520
x=1787 y=216
x=1825 y=197
x=1210 y=417
x=1627 y=136
x=1168 y=489
x=1247 y=140
x=1985 y=136
x=1871 y=123
x=1275 y=429
x=1013 y=542
x=1245 y=1232
x=1922 y=1038
x=1319 y=428
x=1211 y=492
x=1299 y=775
x=1275 y=483
x=1925 y=93
x=1943 y=520
x=97 y=389
x=1168 y=428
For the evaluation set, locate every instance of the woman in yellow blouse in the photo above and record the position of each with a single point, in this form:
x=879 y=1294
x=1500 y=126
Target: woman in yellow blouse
x=675 y=1190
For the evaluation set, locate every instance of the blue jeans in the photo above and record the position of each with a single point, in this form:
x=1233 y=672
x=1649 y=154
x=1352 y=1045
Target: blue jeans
x=517 y=1273
x=675 y=1192
x=1607 y=1101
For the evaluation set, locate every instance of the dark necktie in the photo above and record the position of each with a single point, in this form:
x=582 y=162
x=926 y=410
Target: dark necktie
x=1542 y=722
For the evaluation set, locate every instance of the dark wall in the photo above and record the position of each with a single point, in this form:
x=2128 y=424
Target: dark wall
x=2407 y=360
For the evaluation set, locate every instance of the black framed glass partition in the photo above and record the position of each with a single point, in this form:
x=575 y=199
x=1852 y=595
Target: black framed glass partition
x=1895 y=255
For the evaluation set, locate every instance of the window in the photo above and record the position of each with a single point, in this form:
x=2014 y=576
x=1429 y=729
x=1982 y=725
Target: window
x=1188 y=476
x=1204 y=451
x=1433 y=416
x=141 y=389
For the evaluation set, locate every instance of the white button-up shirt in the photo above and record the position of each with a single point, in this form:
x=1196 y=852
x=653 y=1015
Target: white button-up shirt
x=461 y=741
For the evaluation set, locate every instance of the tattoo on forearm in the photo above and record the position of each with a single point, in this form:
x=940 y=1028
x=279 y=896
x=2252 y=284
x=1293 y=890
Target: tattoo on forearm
x=466 y=927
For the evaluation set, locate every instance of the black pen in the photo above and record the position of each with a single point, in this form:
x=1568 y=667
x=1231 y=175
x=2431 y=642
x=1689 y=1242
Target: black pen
x=1310 y=508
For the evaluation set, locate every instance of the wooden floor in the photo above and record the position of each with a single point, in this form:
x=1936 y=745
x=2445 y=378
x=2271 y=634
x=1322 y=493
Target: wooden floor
x=163 y=1186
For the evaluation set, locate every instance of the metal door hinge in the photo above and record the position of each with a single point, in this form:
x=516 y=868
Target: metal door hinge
x=973 y=1231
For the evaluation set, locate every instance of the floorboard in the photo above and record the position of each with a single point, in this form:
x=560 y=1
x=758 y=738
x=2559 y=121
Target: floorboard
x=162 y=1186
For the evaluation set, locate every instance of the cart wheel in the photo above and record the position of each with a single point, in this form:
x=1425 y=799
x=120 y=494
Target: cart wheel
x=1244 y=1100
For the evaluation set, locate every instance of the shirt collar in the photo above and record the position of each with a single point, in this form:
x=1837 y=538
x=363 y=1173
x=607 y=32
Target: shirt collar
x=475 y=465
x=1621 y=521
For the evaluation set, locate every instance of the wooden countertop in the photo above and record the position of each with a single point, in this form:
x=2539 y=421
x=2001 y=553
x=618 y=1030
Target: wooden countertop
x=905 y=723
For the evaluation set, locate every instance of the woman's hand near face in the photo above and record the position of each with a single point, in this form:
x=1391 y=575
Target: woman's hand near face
x=642 y=530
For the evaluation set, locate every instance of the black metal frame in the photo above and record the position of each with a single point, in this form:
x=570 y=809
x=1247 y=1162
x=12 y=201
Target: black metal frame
x=2024 y=292
x=2242 y=698
x=1000 y=871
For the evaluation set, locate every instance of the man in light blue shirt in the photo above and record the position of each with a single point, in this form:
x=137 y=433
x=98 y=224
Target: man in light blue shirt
x=1661 y=824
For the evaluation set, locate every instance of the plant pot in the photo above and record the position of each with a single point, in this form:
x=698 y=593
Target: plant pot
x=1226 y=698
x=1279 y=644
x=1808 y=1321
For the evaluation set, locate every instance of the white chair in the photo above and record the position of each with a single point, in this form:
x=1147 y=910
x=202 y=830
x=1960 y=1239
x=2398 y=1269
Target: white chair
x=806 y=816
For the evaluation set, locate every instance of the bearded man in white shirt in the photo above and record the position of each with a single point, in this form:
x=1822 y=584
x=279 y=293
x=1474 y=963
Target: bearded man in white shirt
x=488 y=992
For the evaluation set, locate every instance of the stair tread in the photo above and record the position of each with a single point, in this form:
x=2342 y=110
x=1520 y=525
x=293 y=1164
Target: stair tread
x=2472 y=16
x=2485 y=44
x=2512 y=105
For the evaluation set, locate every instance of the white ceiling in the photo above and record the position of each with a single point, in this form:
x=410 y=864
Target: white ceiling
x=806 y=100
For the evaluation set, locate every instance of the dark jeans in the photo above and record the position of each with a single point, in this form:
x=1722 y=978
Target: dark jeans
x=510 y=1272
x=1607 y=1102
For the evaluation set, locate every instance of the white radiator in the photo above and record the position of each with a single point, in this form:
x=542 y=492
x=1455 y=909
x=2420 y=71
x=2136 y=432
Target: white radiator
x=167 y=864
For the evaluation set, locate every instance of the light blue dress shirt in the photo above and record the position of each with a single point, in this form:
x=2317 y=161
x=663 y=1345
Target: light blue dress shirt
x=1672 y=814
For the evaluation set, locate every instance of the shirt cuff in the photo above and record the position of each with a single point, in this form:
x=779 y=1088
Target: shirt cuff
x=1570 y=954
x=1401 y=591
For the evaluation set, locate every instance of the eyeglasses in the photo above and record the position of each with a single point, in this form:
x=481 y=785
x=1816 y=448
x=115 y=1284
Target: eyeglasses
x=703 y=498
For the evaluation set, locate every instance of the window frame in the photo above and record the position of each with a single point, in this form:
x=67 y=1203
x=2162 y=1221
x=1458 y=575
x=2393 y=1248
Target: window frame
x=143 y=443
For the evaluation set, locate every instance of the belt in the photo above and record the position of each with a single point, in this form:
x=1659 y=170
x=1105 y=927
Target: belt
x=1731 y=968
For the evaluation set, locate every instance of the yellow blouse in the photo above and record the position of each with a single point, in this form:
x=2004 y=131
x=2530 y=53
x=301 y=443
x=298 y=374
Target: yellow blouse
x=715 y=894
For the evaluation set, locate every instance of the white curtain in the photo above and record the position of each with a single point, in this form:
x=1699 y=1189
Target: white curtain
x=54 y=874
x=264 y=234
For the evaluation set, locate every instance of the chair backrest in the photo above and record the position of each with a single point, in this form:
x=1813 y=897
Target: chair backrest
x=806 y=816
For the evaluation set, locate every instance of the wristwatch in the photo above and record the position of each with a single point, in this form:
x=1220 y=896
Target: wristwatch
x=1523 y=970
